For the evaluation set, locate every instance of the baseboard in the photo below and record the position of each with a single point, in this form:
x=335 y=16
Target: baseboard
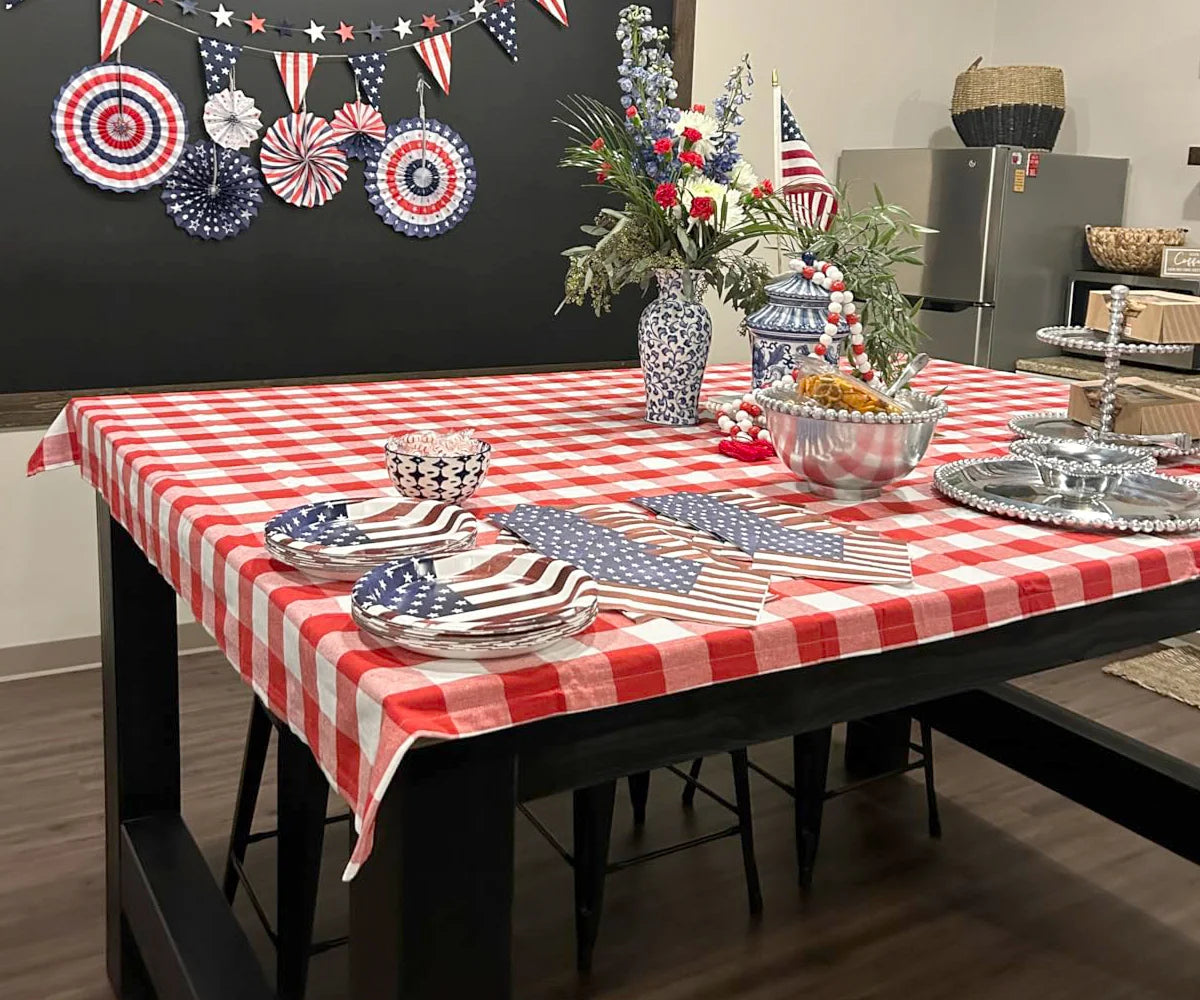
x=61 y=654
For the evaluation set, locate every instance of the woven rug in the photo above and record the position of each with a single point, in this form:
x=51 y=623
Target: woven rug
x=1173 y=672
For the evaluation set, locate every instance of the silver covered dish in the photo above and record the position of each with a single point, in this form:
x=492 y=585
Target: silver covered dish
x=1013 y=487
x=1083 y=468
x=845 y=454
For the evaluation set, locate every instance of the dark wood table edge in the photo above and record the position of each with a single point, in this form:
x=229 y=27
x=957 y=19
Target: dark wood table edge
x=431 y=909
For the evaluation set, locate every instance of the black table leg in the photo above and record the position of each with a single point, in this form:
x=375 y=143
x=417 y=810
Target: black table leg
x=878 y=743
x=140 y=682
x=431 y=910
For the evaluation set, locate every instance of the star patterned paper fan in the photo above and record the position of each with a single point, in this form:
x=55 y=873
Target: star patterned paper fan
x=359 y=129
x=213 y=201
x=232 y=119
x=422 y=181
x=119 y=127
x=301 y=160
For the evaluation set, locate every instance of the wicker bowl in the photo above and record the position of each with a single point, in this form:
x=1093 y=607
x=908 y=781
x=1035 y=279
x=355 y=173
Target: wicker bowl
x=1131 y=250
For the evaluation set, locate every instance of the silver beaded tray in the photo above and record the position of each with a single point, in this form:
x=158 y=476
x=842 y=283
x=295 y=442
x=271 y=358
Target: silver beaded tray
x=1055 y=425
x=1080 y=338
x=1014 y=488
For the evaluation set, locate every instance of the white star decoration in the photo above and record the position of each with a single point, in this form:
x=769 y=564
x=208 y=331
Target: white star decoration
x=403 y=27
x=315 y=32
x=479 y=8
x=222 y=16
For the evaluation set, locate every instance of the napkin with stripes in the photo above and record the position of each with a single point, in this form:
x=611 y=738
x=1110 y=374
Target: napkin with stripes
x=784 y=541
x=634 y=577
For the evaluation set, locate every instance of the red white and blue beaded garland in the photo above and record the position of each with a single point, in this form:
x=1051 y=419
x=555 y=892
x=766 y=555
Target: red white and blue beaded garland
x=828 y=275
x=422 y=181
x=213 y=193
x=119 y=127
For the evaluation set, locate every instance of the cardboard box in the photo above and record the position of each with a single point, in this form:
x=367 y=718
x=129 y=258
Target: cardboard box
x=1153 y=316
x=1142 y=407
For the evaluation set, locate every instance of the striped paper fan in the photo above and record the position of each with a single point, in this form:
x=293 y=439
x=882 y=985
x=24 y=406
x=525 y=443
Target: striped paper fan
x=301 y=160
x=359 y=129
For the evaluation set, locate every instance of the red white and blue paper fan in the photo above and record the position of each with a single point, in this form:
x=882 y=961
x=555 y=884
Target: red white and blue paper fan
x=359 y=129
x=422 y=181
x=301 y=161
x=213 y=199
x=119 y=127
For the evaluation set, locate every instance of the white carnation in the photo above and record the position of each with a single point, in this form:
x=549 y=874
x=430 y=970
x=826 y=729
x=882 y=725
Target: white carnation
x=743 y=177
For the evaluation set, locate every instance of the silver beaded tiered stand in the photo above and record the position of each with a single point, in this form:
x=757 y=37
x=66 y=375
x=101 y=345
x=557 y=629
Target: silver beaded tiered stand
x=1054 y=425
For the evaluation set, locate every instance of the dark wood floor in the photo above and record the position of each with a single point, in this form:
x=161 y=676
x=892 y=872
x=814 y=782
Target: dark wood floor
x=1026 y=895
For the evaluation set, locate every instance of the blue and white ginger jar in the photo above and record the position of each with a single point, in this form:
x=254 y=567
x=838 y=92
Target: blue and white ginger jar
x=674 y=335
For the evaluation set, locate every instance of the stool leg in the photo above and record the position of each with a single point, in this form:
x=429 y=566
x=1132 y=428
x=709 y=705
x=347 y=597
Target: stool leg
x=810 y=760
x=639 y=793
x=303 y=795
x=254 y=761
x=935 y=821
x=593 y=809
x=689 y=788
x=741 y=788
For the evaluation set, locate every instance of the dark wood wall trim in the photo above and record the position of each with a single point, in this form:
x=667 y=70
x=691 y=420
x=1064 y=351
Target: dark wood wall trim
x=684 y=53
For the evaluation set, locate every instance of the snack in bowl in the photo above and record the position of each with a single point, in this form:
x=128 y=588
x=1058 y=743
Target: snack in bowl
x=436 y=466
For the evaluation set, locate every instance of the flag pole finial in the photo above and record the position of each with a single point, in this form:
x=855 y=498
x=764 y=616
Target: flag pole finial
x=774 y=78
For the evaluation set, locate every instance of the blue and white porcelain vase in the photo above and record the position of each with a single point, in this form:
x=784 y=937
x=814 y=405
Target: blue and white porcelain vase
x=789 y=326
x=674 y=335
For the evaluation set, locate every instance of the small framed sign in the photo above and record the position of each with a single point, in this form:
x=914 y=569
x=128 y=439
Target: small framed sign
x=1180 y=262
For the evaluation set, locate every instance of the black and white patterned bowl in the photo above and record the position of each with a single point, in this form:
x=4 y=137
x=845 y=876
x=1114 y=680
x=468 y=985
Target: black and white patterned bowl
x=437 y=477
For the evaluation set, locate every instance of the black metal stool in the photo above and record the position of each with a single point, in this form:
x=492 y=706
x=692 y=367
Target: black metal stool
x=810 y=763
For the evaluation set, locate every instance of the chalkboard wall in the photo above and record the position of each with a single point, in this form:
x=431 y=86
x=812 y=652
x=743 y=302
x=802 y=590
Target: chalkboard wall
x=102 y=289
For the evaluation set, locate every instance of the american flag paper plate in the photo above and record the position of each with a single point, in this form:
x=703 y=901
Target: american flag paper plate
x=342 y=537
x=493 y=601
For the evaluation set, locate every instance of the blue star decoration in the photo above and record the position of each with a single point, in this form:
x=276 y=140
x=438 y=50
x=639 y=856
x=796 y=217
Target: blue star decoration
x=285 y=29
x=218 y=59
x=186 y=6
x=501 y=24
x=455 y=17
x=368 y=71
x=375 y=31
x=211 y=208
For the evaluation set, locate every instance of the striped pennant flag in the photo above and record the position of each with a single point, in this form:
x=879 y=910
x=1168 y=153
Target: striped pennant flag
x=118 y=20
x=435 y=53
x=296 y=70
x=557 y=9
x=785 y=541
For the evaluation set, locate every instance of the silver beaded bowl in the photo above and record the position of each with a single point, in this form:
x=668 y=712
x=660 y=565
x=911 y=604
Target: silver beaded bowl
x=1082 y=468
x=847 y=455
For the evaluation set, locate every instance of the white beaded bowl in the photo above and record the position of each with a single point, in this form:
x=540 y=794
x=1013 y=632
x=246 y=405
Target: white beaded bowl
x=437 y=477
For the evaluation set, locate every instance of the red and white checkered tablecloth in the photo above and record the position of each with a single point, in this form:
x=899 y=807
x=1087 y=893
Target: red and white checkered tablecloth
x=193 y=476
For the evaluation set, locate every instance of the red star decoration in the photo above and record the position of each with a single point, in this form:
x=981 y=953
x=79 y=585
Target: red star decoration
x=429 y=22
x=159 y=2
x=255 y=23
x=344 y=31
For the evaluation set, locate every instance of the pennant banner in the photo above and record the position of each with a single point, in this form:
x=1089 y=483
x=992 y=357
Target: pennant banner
x=435 y=53
x=118 y=20
x=218 y=59
x=296 y=70
x=501 y=23
x=557 y=9
x=368 y=71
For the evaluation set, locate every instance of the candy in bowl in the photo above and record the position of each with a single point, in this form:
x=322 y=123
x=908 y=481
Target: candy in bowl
x=433 y=466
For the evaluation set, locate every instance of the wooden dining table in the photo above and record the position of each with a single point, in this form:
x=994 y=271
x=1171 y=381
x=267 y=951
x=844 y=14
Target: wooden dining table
x=433 y=756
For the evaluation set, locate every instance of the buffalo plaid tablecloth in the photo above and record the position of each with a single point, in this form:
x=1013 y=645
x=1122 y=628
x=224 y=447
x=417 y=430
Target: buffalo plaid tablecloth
x=194 y=476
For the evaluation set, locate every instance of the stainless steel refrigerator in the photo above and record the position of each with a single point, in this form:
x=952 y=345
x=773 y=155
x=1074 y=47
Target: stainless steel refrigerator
x=1009 y=232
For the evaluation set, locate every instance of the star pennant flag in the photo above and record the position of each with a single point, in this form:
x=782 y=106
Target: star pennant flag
x=118 y=20
x=296 y=70
x=10 y=4
x=435 y=53
x=501 y=23
x=803 y=183
x=557 y=9
x=217 y=59
x=368 y=72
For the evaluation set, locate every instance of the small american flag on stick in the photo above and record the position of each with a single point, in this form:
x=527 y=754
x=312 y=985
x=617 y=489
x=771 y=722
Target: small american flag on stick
x=802 y=182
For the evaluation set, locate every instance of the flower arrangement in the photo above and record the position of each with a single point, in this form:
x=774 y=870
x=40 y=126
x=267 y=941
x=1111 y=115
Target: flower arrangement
x=689 y=201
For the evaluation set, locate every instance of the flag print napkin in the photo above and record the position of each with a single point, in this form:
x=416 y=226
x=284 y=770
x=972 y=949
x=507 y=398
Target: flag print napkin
x=635 y=578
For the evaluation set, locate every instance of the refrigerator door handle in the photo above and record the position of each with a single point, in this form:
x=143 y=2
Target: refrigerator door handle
x=946 y=305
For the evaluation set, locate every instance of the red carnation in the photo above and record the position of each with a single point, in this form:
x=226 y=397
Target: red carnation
x=597 y=144
x=757 y=192
x=666 y=195
x=691 y=134
x=692 y=158
x=699 y=108
x=602 y=173
x=663 y=146
x=631 y=112
x=703 y=208
x=768 y=187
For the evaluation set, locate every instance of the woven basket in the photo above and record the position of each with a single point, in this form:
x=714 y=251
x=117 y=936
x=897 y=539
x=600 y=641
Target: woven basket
x=1009 y=105
x=1131 y=250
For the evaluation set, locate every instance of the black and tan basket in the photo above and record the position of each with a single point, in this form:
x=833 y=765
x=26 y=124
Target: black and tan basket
x=1009 y=105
